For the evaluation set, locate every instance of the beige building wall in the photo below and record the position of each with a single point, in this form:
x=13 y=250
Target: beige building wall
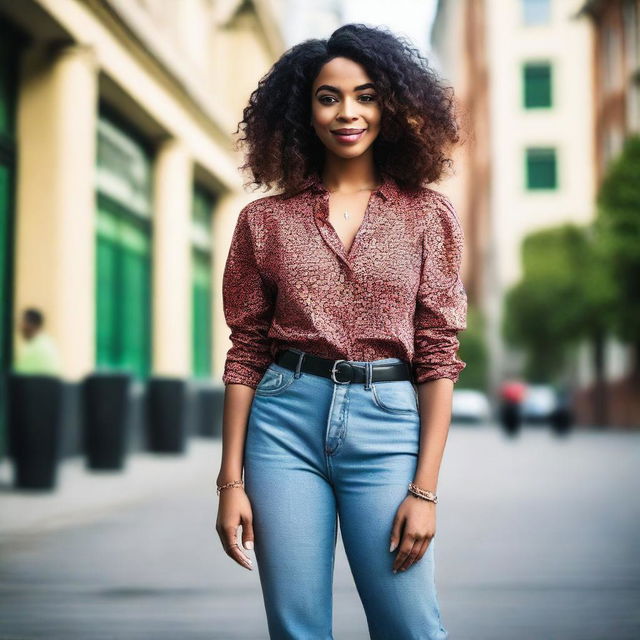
x=182 y=83
x=481 y=47
x=515 y=211
x=55 y=196
x=566 y=43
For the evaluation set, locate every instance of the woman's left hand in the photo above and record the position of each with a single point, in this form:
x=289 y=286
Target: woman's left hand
x=413 y=528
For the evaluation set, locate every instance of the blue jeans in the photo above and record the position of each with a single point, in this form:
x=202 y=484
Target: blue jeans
x=317 y=450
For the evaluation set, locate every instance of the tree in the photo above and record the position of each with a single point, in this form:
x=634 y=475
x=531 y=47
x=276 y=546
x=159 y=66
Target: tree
x=564 y=296
x=618 y=228
x=473 y=351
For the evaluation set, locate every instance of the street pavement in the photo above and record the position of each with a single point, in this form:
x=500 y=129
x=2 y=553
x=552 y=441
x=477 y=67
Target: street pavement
x=537 y=540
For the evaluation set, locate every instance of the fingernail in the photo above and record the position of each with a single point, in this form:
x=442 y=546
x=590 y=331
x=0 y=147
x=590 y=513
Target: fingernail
x=393 y=546
x=248 y=544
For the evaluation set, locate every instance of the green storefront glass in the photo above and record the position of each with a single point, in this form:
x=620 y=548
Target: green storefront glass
x=10 y=51
x=201 y=296
x=123 y=252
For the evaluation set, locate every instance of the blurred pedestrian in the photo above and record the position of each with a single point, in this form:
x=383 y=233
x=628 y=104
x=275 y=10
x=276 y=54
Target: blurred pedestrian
x=512 y=394
x=37 y=354
x=344 y=299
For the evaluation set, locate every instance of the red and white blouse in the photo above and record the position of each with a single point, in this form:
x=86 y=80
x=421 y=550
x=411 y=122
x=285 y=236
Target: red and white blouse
x=397 y=292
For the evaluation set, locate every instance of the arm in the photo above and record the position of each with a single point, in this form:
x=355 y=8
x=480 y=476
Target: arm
x=441 y=313
x=441 y=310
x=248 y=309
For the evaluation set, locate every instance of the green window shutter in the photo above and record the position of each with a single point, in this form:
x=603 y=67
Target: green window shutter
x=135 y=290
x=541 y=168
x=201 y=304
x=537 y=85
x=123 y=292
x=107 y=261
x=123 y=252
x=201 y=288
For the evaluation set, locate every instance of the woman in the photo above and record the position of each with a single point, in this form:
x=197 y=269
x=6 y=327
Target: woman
x=344 y=300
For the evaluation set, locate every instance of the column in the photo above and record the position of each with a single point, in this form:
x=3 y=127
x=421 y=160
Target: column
x=55 y=197
x=173 y=178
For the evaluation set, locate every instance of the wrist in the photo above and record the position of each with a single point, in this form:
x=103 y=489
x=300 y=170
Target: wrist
x=422 y=493
x=228 y=476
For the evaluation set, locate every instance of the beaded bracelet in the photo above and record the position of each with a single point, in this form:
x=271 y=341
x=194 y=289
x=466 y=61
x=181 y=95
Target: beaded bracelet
x=422 y=493
x=235 y=483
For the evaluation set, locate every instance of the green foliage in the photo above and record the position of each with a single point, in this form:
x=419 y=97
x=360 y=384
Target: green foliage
x=564 y=296
x=473 y=351
x=580 y=282
x=618 y=230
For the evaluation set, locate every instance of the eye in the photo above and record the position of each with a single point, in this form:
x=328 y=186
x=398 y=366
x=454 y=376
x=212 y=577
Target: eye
x=368 y=95
x=322 y=99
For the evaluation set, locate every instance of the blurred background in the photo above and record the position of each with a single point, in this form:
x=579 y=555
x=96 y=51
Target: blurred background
x=119 y=191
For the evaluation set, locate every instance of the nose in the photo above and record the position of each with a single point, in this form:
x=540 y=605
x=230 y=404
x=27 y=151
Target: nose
x=348 y=110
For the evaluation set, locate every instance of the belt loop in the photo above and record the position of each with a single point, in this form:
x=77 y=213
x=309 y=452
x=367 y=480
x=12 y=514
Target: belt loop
x=368 y=374
x=299 y=365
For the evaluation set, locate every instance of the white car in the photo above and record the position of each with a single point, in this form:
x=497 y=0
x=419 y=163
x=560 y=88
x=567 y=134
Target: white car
x=470 y=405
x=539 y=402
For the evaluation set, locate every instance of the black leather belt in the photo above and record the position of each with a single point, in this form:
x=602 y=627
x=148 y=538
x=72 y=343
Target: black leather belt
x=342 y=371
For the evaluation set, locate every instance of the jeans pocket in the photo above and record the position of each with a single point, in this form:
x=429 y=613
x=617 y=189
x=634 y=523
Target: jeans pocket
x=275 y=380
x=395 y=396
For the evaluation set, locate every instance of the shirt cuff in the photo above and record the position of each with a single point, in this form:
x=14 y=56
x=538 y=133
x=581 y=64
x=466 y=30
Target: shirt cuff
x=236 y=373
x=452 y=371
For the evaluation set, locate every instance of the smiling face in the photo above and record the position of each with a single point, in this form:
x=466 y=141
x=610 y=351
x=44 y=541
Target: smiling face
x=345 y=109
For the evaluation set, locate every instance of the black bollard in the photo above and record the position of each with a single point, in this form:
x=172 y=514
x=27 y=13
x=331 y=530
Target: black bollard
x=34 y=421
x=166 y=428
x=105 y=412
x=209 y=403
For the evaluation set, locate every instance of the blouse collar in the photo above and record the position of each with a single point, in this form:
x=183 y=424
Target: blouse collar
x=314 y=183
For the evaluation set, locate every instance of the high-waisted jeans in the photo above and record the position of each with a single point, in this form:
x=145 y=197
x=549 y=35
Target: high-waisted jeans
x=317 y=450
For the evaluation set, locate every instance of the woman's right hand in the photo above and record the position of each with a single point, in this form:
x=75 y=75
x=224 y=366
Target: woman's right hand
x=234 y=509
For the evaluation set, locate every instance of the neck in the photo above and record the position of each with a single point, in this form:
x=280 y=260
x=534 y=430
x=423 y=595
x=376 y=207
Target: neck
x=350 y=174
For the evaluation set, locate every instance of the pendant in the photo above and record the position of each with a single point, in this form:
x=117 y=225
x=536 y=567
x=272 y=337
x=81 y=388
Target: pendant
x=346 y=215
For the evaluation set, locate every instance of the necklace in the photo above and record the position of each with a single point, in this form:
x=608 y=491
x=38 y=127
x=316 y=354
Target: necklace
x=346 y=212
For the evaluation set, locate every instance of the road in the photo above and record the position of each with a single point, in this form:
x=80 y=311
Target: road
x=538 y=540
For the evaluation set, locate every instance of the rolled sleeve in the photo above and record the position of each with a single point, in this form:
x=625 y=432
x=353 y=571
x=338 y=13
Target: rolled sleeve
x=248 y=308
x=441 y=305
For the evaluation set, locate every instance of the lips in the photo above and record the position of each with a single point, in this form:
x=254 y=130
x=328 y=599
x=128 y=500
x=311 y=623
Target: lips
x=348 y=135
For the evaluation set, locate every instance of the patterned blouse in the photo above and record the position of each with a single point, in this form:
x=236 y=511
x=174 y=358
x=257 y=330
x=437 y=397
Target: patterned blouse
x=397 y=292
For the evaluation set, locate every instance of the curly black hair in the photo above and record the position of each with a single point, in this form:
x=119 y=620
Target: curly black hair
x=418 y=122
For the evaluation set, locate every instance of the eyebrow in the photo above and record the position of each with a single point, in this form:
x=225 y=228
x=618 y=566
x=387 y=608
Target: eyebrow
x=360 y=87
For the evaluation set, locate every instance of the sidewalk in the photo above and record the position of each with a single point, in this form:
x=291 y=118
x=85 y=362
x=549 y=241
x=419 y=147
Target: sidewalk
x=83 y=495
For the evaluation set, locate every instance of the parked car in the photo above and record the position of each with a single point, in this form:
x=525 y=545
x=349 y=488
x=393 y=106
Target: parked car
x=539 y=403
x=470 y=405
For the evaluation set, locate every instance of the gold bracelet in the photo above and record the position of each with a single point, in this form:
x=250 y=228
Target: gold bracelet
x=235 y=483
x=422 y=493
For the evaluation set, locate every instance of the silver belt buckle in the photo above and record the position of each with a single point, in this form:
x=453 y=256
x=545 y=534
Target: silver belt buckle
x=333 y=372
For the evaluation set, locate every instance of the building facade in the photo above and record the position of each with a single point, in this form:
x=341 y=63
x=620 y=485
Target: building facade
x=119 y=184
x=521 y=69
x=611 y=395
x=615 y=59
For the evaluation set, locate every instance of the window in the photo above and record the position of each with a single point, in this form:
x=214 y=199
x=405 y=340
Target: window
x=123 y=252
x=202 y=296
x=535 y=12
x=537 y=85
x=541 y=170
